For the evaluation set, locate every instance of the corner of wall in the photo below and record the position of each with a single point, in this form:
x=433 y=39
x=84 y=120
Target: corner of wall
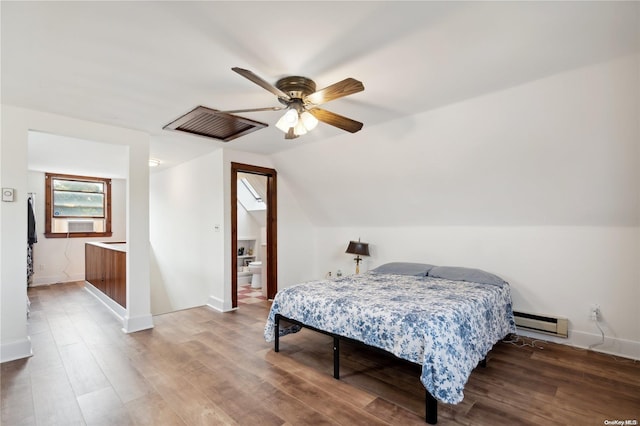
x=16 y=349
x=139 y=323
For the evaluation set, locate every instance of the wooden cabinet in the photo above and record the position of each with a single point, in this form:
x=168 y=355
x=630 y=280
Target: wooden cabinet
x=106 y=270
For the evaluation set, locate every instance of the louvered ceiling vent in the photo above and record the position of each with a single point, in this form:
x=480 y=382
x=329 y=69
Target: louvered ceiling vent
x=211 y=123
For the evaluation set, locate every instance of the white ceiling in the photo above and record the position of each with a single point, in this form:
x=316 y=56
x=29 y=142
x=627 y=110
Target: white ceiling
x=140 y=65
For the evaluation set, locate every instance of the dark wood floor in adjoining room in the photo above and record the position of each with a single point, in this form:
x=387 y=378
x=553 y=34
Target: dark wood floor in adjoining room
x=201 y=367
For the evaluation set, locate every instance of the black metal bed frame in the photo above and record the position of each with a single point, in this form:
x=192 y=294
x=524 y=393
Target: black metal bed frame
x=431 y=404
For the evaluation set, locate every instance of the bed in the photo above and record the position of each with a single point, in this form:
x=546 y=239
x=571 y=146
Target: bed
x=445 y=319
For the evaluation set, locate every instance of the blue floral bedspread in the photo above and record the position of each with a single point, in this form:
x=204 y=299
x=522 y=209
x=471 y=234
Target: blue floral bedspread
x=445 y=326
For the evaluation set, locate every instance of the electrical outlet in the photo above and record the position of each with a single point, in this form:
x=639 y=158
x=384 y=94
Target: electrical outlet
x=595 y=312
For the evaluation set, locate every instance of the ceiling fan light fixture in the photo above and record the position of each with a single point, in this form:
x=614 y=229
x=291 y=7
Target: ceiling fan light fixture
x=300 y=129
x=309 y=121
x=288 y=120
x=282 y=125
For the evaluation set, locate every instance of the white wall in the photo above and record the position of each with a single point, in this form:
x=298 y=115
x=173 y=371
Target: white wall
x=191 y=261
x=539 y=183
x=296 y=233
x=558 y=151
x=59 y=260
x=186 y=204
x=16 y=124
x=558 y=271
x=248 y=226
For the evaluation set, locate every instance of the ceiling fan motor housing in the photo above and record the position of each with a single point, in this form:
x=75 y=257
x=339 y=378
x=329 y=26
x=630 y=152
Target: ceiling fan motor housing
x=297 y=87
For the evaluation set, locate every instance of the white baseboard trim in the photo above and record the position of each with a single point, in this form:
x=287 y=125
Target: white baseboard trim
x=56 y=279
x=118 y=311
x=129 y=324
x=219 y=305
x=139 y=323
x=16 y=349
x=580 y=339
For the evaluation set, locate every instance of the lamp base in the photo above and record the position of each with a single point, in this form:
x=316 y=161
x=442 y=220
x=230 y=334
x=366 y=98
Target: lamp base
x=357 y=259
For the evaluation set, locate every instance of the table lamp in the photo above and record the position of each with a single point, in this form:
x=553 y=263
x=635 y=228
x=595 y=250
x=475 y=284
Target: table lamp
x=359 y=249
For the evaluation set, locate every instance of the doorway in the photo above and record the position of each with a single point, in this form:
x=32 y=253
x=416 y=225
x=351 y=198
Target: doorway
x=270 y=277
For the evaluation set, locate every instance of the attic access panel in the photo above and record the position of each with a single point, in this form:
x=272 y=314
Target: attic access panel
x=211 y=123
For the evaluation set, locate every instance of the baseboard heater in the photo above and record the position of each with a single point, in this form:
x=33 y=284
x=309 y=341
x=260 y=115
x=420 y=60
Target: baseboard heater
x=542 y=324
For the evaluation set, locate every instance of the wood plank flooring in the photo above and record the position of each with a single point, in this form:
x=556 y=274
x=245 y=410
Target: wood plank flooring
x=201 y=367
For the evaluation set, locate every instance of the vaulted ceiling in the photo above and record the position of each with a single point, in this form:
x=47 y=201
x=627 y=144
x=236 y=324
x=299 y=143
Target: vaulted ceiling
x=140 y=65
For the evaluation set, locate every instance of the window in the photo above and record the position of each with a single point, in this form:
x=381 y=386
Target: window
x=77 y=206
x=248 y=196
x=251 y=190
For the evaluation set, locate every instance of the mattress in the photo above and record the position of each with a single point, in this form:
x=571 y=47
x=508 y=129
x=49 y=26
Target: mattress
x=445 y=326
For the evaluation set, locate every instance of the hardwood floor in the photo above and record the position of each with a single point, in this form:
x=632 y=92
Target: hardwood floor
x=201 y=367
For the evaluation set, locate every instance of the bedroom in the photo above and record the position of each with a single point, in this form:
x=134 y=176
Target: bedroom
x=519 y=156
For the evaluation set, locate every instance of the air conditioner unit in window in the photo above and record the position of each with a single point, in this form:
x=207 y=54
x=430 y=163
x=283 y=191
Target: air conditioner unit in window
x=80 y=225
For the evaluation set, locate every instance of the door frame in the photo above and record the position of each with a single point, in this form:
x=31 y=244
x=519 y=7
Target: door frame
x=272 y=228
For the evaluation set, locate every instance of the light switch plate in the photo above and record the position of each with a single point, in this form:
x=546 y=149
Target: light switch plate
x=8 y=194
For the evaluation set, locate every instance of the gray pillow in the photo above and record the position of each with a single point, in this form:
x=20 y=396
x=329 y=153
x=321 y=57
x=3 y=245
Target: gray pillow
x=457 y=273
x=404 y=268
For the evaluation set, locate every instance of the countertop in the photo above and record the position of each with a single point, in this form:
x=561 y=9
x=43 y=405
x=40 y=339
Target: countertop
x=116 y=245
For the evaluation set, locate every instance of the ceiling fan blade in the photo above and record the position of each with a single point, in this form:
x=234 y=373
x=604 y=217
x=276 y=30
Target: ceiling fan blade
x=262 y=83
x=235 y=111
x=346 y=87
x=336 y=120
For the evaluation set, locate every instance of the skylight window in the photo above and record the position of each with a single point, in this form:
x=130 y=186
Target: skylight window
x=251 y=189
x=249 y=197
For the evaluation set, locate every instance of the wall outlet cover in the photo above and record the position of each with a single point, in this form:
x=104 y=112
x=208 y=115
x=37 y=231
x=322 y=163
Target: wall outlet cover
x=8 y=194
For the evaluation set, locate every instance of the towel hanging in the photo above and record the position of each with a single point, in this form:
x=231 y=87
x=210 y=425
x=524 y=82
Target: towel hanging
x=32 y=236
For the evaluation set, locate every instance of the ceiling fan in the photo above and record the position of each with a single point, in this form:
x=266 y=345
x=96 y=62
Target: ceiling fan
x=299 y=97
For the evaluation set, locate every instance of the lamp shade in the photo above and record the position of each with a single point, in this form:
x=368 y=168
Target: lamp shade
x=309 y=121
x=358 y=248
x=288 y=120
